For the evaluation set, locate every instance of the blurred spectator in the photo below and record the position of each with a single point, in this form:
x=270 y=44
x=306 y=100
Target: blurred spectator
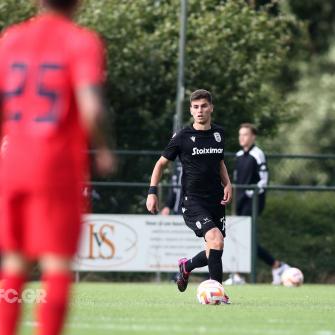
x=251 y=169
x=173 y=203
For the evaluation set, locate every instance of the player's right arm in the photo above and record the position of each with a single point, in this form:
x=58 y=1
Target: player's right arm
x=88 y=74
x=152 y=199
x=92 y=112
x=169 y=154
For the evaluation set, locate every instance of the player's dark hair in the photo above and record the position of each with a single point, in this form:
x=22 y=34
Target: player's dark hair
x=201 y=94
x=250 y=126
x=61 y=4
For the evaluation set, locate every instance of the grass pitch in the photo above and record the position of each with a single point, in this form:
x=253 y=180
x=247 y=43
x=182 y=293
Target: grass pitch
x=101 y=309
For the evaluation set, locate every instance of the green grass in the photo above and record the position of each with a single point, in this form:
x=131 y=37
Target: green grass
x=99 y=309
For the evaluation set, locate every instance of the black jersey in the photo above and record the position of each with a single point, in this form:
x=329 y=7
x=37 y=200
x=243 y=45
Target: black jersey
x=250 y=169
x=200 y=153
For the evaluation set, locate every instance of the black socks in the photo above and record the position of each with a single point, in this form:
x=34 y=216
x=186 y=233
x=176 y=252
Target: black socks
x=215 y=265
x=214 y=262
x=198 y=261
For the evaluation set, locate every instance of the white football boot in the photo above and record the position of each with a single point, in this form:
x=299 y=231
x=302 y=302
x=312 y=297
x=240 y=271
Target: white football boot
x=234 y=279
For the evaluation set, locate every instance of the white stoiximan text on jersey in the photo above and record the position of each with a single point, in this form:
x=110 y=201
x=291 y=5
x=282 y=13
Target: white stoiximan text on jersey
x=205 y=151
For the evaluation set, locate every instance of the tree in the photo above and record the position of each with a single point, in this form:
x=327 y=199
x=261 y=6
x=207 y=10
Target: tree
x=313 y=134
x=14 y=11
x=320 y=17
x=233 y=50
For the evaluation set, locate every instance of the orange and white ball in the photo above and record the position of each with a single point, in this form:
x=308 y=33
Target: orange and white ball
x=210 y=292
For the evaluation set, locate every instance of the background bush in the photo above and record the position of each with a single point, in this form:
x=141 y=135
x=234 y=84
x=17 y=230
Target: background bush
x=299 y=229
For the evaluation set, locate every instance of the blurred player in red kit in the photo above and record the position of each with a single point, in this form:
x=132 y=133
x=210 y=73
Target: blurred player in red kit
x=51 y=75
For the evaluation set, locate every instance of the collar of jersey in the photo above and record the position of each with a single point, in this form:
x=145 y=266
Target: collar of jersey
x=201 y=131
x=246 y=152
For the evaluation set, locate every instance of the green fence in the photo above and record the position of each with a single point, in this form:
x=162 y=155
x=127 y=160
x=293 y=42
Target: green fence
x=135 y=167
x=296 y=226
x=285 y=169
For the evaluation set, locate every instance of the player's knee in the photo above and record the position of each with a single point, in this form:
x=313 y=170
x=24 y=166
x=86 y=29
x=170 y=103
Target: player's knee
x=214 y=239
x=55 y=264
x=14 y=263
x=217 y=244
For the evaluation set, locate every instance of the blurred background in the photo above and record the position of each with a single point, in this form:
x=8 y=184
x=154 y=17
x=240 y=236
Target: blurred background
x=271 y=63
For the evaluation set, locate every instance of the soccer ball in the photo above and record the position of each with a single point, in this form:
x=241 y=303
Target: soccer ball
x=210 y=292
x=292 y=277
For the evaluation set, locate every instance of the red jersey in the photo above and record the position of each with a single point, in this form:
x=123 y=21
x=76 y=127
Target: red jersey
x=42 y=62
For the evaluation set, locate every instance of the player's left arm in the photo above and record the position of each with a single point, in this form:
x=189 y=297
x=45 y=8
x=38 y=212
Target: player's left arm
x=263 y=175
x=0 y=123
x=228 y=190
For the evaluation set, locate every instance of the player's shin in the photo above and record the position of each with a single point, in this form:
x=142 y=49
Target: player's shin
x=52 y=311
x=215 y=264
x=10 y=302
x=198 y=261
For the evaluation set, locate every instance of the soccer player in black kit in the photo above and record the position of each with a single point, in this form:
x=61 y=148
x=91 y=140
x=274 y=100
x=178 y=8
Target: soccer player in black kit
x=206 y=187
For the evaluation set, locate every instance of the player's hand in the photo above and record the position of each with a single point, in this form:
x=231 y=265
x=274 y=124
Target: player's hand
x=105 y=161
x=152 y=203
x=227 y=194
x=165 y=211
x=249 y=193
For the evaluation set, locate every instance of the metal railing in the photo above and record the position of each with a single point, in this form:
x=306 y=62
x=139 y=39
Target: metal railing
x=289 y=172
x=256 y=190
x=285 y=169
x=282 y=188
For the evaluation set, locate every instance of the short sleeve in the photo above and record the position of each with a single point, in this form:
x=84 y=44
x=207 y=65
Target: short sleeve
x=172 y=150
x=87 y=65
x=223 y=144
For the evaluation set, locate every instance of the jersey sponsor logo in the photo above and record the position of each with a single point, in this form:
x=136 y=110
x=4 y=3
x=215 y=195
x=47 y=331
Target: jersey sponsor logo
x=192 y=138
x=217 y=137
x=205 y=151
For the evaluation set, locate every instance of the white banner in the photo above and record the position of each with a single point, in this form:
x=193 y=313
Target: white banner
x=151 y=243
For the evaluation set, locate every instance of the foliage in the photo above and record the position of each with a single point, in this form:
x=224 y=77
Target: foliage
x=313 y=134
x=14 y=11
x=232 y=50
x=320 y=16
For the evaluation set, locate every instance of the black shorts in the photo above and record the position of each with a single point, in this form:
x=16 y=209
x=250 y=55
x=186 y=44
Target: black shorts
x=244 y=205
x=202 y=215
